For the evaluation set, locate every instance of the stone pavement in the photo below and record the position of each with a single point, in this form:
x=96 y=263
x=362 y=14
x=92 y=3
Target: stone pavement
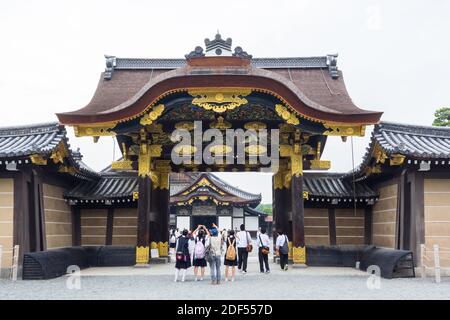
x=157 y=282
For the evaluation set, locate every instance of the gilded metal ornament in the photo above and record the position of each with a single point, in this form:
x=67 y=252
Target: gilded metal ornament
x=95 y=130
x=343 y=129
x=286 y=115
x=153 y=115
x=185 y=125
x=299 y=255
x=142 y=255
x=220 y=149
x=219 y=100
x=220 y=124
x=122 y=165
x=163 y=249
x=319 y=164
x=255 y=149
x=397 y=160
x=255 y=125
x=38 y=160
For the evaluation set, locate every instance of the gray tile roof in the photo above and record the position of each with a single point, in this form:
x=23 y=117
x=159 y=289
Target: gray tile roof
x=335 y=185
x=422 y=142
x=265 y=63
x=23 y=141
x=27 y=140
x=109 y=186
x=122 y=185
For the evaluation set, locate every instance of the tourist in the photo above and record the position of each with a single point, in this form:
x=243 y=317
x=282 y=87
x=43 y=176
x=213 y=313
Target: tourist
x=199 y=251
x=191 y=245
x=244 y=247
x=183 y=259
x=172 y=241
x=282 y=247
x=213 y=253
x=263 y=244
x=230 y=256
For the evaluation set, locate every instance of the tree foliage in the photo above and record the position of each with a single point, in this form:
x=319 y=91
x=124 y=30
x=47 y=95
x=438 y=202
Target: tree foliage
x=266 y=208
x=442 y=117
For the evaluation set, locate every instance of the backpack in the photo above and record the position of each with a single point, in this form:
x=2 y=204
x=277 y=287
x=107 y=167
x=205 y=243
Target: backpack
x=199 y=250
x=285 y=247
x=231 y=251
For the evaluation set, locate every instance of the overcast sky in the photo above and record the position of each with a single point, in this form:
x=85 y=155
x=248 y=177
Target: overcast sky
x=394 y=55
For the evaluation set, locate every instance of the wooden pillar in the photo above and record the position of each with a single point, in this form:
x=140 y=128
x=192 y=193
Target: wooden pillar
x=76 y=225
x=298 y=221
x=164 y=199
x=280 y=202
x=143 y=230
x=109 y=226
x=332 y=225
x=298 y=210
x=155 y=217
x=368 y=225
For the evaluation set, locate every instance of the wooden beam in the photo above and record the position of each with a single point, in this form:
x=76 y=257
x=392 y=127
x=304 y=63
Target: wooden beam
x=332 y=225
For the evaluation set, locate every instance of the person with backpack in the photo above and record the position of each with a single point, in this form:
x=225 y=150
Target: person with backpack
x=230 y=256
x=213 y=252
x=263 y=244
x=183 y=259
x=244 y=247
x=282 y=247
x=199 y=251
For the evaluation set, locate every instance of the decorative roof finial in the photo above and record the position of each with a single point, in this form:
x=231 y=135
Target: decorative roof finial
x=218 y=47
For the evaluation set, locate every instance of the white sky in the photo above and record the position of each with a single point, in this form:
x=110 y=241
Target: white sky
x=394 y=55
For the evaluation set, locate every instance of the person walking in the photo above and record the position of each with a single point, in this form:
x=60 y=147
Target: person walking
x=230 y=256
x=199 y=251
x=213 y=252
x=244 y=247
x=263 y=243
x=183 y=259
x=282 y=247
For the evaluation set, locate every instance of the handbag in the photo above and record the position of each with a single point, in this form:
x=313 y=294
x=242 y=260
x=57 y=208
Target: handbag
x=249 y=247
x=264 y=250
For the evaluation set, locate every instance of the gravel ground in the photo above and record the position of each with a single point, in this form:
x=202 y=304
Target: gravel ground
x=157 y=282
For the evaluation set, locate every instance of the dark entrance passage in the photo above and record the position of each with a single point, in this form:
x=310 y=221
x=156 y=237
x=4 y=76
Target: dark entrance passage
x=204 y=220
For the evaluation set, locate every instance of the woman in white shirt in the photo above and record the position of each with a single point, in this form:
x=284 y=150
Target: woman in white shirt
x=263 y=243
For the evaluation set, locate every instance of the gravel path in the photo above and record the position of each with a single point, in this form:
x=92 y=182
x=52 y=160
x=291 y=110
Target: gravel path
x=157 y=282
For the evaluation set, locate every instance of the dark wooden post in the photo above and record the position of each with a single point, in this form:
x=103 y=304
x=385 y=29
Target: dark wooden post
x=298 y=221
x=298 y=210
x=76 y=225
x=155 y=217
x=280 y=202
x=109 y=226
x=332 y=226
x=143 y=232
x=368 y=225
x=164 y=214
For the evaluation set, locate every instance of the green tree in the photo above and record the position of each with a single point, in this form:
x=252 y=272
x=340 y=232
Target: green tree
x=266 y=208
x=442 y=117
